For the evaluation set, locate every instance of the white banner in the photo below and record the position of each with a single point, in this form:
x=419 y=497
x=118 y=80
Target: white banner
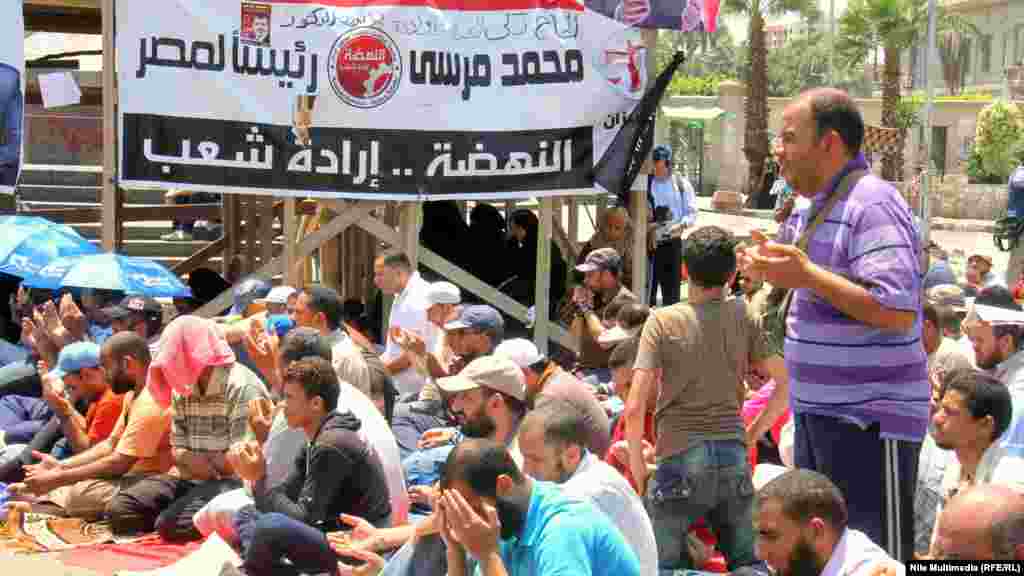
x=406 y=100
x=12 y=93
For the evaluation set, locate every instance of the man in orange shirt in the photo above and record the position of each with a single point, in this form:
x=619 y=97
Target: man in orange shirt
x=139 y=445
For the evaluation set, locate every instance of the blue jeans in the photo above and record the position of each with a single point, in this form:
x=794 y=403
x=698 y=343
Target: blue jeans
x=710 y=480
x=267 y=540
x=21 y=417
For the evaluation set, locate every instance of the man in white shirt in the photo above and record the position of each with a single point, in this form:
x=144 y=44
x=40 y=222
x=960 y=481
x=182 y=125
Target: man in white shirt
x=801 y=530
x=673 y=204
x=394 y=275
x=553 y=440
x=974 y=413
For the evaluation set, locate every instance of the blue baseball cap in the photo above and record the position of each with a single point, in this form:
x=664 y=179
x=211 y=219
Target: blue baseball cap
x=479 y=317
x=74 y=357
x=662 y=152
x=279 y=324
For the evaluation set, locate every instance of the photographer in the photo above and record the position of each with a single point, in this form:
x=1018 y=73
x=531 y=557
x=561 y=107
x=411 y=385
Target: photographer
x=673 y=203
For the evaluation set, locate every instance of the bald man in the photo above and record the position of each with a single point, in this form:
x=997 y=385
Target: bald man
x=985 y=522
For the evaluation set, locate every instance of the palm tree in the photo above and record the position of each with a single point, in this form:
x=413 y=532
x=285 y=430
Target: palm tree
x=755 y=145
x=895 y=25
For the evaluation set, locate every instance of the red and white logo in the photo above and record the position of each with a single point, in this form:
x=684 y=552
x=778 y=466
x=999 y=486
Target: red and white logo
x=365 y=67
x=623 y=63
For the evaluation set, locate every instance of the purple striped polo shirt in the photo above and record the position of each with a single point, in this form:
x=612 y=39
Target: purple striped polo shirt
x=839 y=366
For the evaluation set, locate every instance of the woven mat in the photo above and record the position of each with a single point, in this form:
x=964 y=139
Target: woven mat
x=45 y=533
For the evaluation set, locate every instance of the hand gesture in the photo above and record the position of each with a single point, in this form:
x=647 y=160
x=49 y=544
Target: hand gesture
x=46 y=463
x=477 y=532
x=40 y=483
x=435 y=437
x=72 y=318
x=421 y=495
x=246 y=458
x=28 y=332
x=51 y=317
x=373 y=566
x=262 y=347
x=363 y=534
x=261 y=417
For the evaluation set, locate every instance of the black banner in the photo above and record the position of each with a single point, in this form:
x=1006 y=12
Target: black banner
x=223 y=155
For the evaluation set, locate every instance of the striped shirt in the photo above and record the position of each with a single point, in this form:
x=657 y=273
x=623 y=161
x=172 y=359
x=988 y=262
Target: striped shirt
x=839 y=366
x=212 y=422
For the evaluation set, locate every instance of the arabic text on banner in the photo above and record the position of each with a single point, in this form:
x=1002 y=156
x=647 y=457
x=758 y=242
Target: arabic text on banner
x=12 y=93
x=419 y=99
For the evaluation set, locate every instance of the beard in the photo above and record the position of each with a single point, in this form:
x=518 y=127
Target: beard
x=803 y=561
x=120 y=383
x=479 y=425
x=511 y=516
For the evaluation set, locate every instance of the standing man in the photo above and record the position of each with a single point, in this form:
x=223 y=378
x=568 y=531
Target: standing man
x=673 y=204
x=394 y=275
x=703 y=348
x=858 y=371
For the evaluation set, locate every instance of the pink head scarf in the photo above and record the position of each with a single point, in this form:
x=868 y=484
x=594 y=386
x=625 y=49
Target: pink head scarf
x=189 y=345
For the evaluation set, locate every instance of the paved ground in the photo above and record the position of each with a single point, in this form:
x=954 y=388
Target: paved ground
x=959 y=237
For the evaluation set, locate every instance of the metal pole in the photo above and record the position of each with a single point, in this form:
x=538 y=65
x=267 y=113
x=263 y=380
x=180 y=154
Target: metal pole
x=542 y=286
x=832 y=43
x=929 y=80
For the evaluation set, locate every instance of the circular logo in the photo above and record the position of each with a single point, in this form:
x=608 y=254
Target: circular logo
x=365 y=67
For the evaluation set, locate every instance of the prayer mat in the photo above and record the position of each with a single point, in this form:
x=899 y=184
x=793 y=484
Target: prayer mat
x=31 y=532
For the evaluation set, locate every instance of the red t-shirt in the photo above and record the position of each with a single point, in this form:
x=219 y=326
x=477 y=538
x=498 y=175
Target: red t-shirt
x=102 y=416
x=619 y=433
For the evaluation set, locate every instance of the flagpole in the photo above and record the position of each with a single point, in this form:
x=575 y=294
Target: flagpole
x=832 y=43
x=929 y=98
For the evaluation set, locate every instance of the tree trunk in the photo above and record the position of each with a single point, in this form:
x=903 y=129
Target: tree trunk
x=756 y=106
x=892 y=164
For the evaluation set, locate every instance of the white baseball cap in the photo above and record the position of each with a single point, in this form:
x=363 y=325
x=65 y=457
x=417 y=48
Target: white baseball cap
x=277 y=295
x=443 y=293
x=520 y=351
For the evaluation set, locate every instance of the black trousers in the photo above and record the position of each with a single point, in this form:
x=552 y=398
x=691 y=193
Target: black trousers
x=164 y=503
x=667 y=272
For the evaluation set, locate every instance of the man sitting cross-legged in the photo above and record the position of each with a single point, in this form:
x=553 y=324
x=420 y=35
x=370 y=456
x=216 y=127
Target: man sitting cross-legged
x=84 y=485
x=339 y=473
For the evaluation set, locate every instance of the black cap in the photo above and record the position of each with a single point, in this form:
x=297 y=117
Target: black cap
x=132 y=305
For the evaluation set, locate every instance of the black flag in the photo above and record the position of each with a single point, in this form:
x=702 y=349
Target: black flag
x=621 y=162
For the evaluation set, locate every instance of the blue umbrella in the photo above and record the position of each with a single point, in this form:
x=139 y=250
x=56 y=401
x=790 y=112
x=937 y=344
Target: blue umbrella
x=28 y=243
x=129 y=274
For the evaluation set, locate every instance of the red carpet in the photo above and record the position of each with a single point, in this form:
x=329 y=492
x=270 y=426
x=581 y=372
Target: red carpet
x=150 y=553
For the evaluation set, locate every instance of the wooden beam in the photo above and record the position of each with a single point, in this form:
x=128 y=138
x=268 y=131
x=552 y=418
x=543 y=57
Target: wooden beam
x=252 y=208
x=353 y=212
x=111 y=221
x=410 y=218
x=574 y=223
x=267 y=232
x=293 y=258
x=638 y=214
x=65 y=20
x=459 y=276
x=199 y=258
x=231 y=207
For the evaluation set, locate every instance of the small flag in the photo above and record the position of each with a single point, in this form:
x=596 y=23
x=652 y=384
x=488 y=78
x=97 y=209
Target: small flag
x=621 y=162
